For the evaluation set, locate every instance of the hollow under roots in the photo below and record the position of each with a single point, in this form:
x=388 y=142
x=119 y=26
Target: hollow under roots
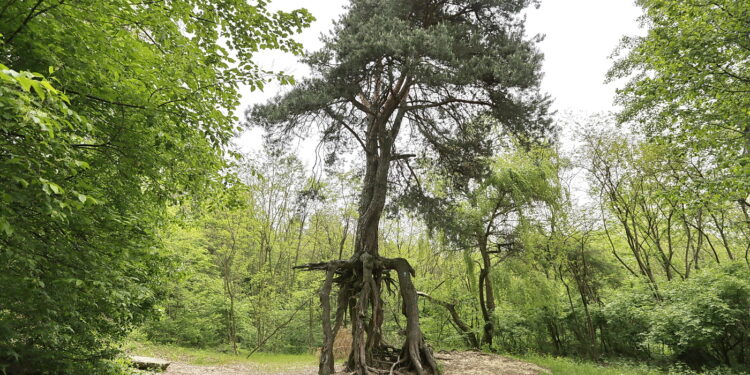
x=360 y=282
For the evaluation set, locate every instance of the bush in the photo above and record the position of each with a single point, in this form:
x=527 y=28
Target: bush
x=704 y=320
x=625 y=321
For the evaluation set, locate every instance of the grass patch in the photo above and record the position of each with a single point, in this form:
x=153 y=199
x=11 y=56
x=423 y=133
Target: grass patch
x=568 y=366
x=260 y=361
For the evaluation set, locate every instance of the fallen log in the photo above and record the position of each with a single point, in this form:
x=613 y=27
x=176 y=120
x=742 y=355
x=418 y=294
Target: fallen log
x=148 y=363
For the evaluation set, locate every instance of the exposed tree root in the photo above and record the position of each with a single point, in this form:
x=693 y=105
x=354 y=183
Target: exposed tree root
x=360 y=282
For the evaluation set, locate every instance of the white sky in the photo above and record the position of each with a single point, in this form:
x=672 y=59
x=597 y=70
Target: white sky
x=580 y=37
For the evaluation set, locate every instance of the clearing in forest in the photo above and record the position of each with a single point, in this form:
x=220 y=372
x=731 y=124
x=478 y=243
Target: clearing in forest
x=454 y=363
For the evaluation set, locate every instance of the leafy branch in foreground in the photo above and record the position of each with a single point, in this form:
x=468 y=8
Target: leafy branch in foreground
x=136 y=114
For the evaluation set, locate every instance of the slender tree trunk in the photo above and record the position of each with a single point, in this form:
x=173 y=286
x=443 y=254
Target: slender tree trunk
x=487 y=294
x=310 y=321
x=299 y=236
x=720 y=227
x=463 y=329
x=343 y=238
x=231 y=316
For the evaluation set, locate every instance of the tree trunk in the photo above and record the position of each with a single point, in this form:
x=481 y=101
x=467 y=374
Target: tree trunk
x=231 y=317
x=360 y=280
x=486 y=294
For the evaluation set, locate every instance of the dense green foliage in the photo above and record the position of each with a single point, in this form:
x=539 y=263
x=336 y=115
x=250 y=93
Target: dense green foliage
x=235 y=282
x=135 y=112
x=689 y=83
x=563 y=285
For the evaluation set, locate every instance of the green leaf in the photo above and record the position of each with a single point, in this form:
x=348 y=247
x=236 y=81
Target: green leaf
x=25 y=83
x=6 y=227
x=21 y=181
x=38 y=89
x=55 y=188
x=48 y=86
x=82 y=164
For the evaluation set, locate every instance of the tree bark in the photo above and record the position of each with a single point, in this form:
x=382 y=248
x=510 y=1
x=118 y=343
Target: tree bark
x=369 y=354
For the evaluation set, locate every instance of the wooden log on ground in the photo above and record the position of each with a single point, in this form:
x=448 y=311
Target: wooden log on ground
x=148 y=363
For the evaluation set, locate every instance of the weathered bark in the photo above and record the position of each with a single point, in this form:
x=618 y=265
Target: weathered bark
x=326 y=366
x=414 y=350
x=369 y=353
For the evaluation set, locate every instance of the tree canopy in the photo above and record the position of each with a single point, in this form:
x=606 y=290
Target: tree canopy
x=689 y=83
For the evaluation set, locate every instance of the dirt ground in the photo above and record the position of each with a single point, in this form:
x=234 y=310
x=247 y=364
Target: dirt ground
x=454 y=363
x=478 y=363
x=185 y=369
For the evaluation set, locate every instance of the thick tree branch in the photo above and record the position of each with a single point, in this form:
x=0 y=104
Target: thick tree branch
x=361 y=106
x=102 y=100
x=446 y=102
x=402 y=156
x=341 y=122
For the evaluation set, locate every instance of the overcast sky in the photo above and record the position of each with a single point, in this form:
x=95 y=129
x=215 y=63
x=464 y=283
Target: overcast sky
x=580 y=36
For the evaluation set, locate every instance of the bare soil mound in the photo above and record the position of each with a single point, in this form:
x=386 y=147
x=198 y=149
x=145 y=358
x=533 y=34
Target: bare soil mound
x=478 y=363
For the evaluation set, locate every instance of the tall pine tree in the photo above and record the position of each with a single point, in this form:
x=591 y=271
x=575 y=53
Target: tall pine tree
x=423 y=70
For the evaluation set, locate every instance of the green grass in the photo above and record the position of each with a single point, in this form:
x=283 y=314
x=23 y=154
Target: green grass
x=568 y=366
x=260 y=361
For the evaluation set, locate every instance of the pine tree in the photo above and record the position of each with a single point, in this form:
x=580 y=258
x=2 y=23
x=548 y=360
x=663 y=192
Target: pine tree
x=423 y=70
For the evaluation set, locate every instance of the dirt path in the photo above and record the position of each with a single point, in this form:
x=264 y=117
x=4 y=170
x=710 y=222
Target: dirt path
x=454 y=363
x=177 y=368
x=478 y=363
